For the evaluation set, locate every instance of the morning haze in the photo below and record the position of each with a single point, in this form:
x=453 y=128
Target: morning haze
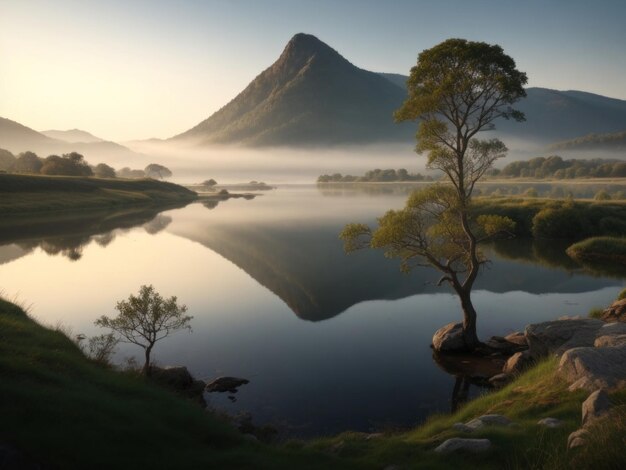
x=277 y=234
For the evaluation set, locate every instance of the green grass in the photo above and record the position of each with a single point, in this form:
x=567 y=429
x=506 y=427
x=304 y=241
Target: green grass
x=31 y=194
x=596 y=312
x=600 y=249
x=63 y=410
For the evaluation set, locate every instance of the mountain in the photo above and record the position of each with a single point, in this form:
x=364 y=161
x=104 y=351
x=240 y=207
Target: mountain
x=310 y=96
x=313 y=96
x=553 y=115
x=72 y=135
x=17 y=138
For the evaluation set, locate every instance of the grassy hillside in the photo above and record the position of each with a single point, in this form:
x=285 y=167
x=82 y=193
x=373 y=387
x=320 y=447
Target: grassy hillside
x=61 y=410
x=28 y=194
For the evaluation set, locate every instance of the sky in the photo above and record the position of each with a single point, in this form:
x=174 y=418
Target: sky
x=137 y=69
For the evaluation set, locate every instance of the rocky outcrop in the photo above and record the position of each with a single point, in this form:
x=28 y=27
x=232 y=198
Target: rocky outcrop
x=226 y=384
x=616 y=312
x=556 y=337
x=449 y=338
x=482 y=421
x=469 y=445
x=517 y=363
x=595 y=406
x=178 y=379
x=505 y=347
x=592 y=368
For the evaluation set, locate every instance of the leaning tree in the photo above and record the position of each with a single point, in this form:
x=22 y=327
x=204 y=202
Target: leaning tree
x=457 y=89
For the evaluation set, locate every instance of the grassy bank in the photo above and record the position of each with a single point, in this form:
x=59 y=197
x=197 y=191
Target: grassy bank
x=62 y=410
x=30 y=194
x=600 y=249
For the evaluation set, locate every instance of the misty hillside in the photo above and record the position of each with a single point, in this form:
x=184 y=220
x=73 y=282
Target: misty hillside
x=17 y=138
x=310 y=95
x=553 y=115
x=72 y=135
x=609 y=141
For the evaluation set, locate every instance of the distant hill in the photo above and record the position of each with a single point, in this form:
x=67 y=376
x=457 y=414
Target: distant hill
x=313 y=96
x=72 y=135
x=310 y=96
x=611 y=141
x=17 y=138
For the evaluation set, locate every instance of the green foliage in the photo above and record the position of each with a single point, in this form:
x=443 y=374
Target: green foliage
x=146 y=319
x=102 y=170
x=595 y=312
x=100 y=348
x=126 y=172
x=594 y=141
x=375 y=176
x=621 y=295
x=27 y=162
x=602 y=195
x=7 y=160
x=555 y=167
x=154 y=170
x=603 y=249
x=563 y=222
x=70 y=164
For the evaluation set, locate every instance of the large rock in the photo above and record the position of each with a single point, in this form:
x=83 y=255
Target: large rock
x=488 y=420
x=226 y=384
x=595 y=406
x=504 y=346
x=577 y=439
x=459 y=443
x=594 y=368
x=449 y=338
x=517 y=363
x=518 y=338
x=611 y=335
x=616 y=312
x=179 y=379
x=550 y=422
x=556 y=337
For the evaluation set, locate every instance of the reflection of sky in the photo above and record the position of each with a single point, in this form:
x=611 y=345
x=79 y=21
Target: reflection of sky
x=369 y=366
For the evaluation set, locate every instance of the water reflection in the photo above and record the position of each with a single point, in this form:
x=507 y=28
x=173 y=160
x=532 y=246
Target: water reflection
x=70 y=235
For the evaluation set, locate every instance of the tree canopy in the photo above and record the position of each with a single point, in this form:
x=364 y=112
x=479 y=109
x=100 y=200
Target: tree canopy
x=147 y=318
x=154 y=170
x=457 y=89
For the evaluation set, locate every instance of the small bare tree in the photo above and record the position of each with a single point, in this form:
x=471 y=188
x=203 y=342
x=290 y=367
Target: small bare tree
x=145 y=319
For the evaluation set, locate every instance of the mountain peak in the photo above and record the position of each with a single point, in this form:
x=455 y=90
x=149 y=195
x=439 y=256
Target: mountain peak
x=303 y=47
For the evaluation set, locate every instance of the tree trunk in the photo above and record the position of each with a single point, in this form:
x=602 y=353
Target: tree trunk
x=146 y=366
x=469 y=321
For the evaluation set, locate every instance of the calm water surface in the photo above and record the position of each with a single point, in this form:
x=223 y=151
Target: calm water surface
x=329 y=342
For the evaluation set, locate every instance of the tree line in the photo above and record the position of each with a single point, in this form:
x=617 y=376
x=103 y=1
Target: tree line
x=376 y=175
x=73 y=164
x=557 y=168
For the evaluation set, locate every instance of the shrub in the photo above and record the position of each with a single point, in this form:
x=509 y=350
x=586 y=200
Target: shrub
x=565 y=222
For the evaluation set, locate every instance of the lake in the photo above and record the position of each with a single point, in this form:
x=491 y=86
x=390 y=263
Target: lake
x=329 y=342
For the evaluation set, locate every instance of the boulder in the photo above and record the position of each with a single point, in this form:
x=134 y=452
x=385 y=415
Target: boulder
x=550 y=422
x=577 y=438
x=488 y=420
x=500 y=380
x=594 y=368
x=610 y=341
x=462 y=427
x=504 y=346
x=556 y=337
x=616 y=312
x=226 y=384
x=178 y=379
x=459 y=443
x=449 y=338
x=518 y=338
x=595 y=406
x=517 y=363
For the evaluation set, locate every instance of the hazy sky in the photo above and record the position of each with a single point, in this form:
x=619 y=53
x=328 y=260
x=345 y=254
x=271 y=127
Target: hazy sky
x=125 y=69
